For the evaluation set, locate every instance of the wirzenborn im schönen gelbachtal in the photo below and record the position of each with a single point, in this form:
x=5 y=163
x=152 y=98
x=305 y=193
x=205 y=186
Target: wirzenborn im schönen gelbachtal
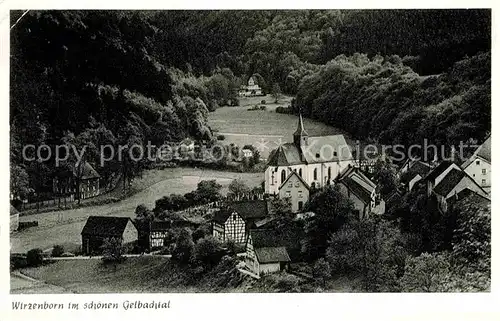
x=92 y=305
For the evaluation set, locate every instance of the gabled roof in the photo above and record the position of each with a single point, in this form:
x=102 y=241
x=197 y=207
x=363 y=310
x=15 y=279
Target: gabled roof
x=294 y=173
x=438 y=170
x=469 y=195
x=483 y=151
x=315 y=144
x=248 y=210
x=416 y=168
x=272 y=254
x=105 y=226
x=289 y=154
x=449 y=182
x=285 y=155
x=158 y=225
x=266 y=238
x=362 y=193
x=86 y=171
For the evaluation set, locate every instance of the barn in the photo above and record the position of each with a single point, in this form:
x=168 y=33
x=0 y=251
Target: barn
x=99 y=228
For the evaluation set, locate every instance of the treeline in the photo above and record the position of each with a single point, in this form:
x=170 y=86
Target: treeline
x=91 y=78
x=382 y=99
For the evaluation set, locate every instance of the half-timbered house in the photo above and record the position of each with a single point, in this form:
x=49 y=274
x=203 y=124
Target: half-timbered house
x=234 y=221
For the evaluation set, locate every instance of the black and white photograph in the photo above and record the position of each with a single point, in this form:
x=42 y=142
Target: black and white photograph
x=250 y=151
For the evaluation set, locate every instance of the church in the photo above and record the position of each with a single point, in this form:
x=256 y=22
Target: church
x=318 y=160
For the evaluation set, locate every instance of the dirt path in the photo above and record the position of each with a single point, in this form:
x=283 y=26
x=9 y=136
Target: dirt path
x=63 y=227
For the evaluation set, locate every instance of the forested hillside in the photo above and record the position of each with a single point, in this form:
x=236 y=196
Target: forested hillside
x=382 y=99
x=138 y=76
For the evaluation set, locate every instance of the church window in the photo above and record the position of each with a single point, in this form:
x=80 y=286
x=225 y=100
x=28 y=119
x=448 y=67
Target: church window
x=300 y=172
x=283 y=176
x=329 y=173
x=315 y=174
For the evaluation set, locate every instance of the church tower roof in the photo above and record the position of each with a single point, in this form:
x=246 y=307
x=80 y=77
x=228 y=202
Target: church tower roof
x=300 y=128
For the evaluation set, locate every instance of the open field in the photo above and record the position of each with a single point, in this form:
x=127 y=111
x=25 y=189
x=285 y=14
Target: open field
x=64 y=227
x=241 y=126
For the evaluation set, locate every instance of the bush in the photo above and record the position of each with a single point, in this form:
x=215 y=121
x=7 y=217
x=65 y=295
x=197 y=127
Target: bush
x=34 y=257
x=18 y=261
x=263 y=107
x=221 y=137
x=263 y=102
x=57 y=250
x=208 y=251
x=287 y=283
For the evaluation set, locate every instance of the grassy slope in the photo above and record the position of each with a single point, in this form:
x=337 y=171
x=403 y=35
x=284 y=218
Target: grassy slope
x=154 y=274
x=241 y=126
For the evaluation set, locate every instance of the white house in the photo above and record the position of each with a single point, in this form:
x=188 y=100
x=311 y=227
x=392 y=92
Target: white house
x=247 y=153
x=318 y=160
x=296 y=190
x=478 y=166
x=251 y=89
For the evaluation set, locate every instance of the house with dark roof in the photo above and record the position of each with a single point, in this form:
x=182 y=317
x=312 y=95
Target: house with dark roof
x=235 y=220
x=468 y=195
x=296 y=190
x=317 y=159
x=478 y=166
x=361 y=191
x=412 y=173
x=265 y=252
x=88 y=180
x=455 y=181
x=99 y=228
x=434 y=177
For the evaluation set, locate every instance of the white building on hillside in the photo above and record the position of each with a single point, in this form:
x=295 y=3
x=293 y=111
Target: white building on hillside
x=478 y=166
x=318 y=160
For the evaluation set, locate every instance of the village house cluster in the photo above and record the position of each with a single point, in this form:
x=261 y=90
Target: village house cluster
x=292 y=175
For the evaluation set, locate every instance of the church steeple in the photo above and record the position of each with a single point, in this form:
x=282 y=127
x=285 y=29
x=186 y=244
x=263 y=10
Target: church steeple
x=300 y=136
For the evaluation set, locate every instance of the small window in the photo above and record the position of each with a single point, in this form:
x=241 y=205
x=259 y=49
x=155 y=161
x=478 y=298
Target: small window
x=290 y=184
x=234 y=217
x=300 y=172
x=288 y=194
x=300 y=194
x=473 y=175
x=315 y=174
x=334 y=153
x=483 y=181
x=477 y=162
x=301 y=205
x=484 y=171
x=317 y=155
